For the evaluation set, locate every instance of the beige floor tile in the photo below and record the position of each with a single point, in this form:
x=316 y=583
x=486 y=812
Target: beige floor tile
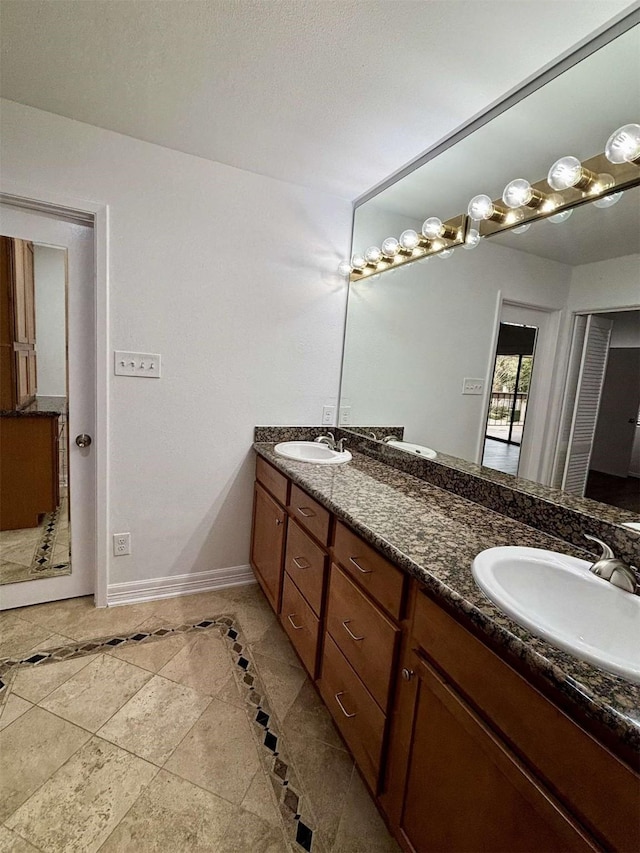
x=79 y=619
x=282 y=681
x=361 y=829
x=171 y=814
x=13 y=708
x=230 y=693
x=219 y=753
x=158 y=717
x=80 y=805
x=203 y=664
x=13 y=572
x=259 y=800
x=250 y=834
x=53 y=612
x=24 y=536
x=309 y=716
x=53 y=641
x=154 y=654
x=254 y=621
x=96 y=692
x=12 y=843
x=61 y=553
x=36 y=682
x=32 y=748
x=276 y=644
x=325 y=775
x=18 y=636
x=21 y=552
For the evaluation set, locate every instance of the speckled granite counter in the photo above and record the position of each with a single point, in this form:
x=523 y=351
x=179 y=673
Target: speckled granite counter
x=434 y=535
x=42 y=407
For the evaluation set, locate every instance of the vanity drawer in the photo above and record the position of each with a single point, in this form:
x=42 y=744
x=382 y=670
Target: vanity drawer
x=382 y=580
x=305 y=562
x=301 y=624
x=272 y=480
x=365 y=636
x=309 y=514
x=357 y=716
x=557 y=748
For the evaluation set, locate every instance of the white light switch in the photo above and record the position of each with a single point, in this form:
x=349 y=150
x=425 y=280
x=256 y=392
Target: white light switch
x=144 y=364
x=473 y=386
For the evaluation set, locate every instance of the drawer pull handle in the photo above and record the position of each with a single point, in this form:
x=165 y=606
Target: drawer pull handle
x=359 y=567
x=278 y=522
x=342 y=708
x=305 y=512
x=297 y=627
x=345 y=625
x=301 y=563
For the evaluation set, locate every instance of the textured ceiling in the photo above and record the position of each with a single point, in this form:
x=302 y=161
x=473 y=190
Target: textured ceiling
x=333 y=94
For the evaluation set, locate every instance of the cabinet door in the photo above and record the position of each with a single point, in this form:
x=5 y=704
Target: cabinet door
x=29 y=293
x=23 y=387
x=465 y=790
x=267 y=545
x=19 y=294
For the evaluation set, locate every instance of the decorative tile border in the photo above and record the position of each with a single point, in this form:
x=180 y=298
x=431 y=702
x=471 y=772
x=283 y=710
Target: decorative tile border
x=294 y=811
x=43 y=555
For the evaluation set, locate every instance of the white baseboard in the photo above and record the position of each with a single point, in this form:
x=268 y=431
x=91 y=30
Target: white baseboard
x=156 y=588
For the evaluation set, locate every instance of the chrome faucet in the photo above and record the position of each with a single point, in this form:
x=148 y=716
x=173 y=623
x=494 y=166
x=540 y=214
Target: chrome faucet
x=612 y=569
x=389 y=438
x=329 y=440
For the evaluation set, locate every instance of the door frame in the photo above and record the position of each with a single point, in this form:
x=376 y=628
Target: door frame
x=539 y=459
x=59 y=204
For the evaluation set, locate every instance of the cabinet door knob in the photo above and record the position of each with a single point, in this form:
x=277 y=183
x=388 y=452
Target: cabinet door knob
x=278 y=521
x=407 y=674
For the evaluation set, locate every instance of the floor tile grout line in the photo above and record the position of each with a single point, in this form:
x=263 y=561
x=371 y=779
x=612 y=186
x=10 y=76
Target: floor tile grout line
x=143 y=791
x=13 y=691
x=39 y=849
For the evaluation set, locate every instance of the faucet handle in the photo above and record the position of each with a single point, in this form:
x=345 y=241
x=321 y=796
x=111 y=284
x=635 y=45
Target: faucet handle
x=607 y=553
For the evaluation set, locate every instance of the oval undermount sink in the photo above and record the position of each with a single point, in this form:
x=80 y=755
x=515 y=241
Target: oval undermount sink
x=417 y=449
x=556 y=597
x=311 y=451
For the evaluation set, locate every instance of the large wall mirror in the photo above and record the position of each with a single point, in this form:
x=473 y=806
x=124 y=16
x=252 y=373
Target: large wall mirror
x=34 y=452
x=521 y=352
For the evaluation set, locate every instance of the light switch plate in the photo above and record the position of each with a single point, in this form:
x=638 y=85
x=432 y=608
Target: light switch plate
x=473 y=386
x=143 y=364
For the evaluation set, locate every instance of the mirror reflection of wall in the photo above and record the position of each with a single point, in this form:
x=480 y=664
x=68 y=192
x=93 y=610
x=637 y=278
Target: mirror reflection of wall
x=420 y=343
x=34 y=514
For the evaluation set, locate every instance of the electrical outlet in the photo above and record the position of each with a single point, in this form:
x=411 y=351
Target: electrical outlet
x=121 y=544
x=345 y=415
x=328 y=415
x=473 y=386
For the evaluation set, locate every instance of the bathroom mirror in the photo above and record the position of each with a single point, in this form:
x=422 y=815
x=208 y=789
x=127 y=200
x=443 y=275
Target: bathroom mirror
x=479 y=355
x=34 y=506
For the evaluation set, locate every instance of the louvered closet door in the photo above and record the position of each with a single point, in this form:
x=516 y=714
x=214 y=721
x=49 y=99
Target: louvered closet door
x=595 y=352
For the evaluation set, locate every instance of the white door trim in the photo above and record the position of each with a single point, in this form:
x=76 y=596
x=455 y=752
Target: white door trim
x=100 y=213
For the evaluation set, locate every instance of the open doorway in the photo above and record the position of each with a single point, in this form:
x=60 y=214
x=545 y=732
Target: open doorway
x=510 y=387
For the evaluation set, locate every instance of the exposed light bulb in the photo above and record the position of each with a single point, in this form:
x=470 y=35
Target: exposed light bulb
x=482 y=207
x=569 y=172
x=472 y=239
x=518 y=193
x=344 y=268
x=607 y=200
x=358 y=262
x=561 y=217
x=623 y=146
x=432 y=227
x=521 y=228
x=372 y=255
x=446 y=253
x=390 y=247
x=409 y=239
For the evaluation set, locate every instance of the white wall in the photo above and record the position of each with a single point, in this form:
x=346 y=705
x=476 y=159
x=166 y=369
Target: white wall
x=614 y=283
x=230 y=276
x=413 y=336
x=51 y=321
x=625 y=333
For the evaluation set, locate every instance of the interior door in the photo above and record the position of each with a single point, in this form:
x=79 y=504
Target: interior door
x=78 y=242
x=593 y=366
x=618 y=414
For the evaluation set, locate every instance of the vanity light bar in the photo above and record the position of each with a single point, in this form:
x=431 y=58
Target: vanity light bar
x=396 y=253
x=600 y=180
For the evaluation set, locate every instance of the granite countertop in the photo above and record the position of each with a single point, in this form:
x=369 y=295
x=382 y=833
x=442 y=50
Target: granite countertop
x=42 y=407
x=434 y=535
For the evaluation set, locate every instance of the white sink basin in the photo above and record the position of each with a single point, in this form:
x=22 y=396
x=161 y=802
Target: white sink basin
x=311 y=451
x=558 y=598
x=417 y=449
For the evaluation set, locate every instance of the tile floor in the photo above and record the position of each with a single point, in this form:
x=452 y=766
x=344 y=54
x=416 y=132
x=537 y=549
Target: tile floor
x=34 y=552
x=178 y=743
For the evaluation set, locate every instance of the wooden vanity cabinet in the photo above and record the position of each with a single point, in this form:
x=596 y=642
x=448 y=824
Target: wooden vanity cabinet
x=269 y=530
